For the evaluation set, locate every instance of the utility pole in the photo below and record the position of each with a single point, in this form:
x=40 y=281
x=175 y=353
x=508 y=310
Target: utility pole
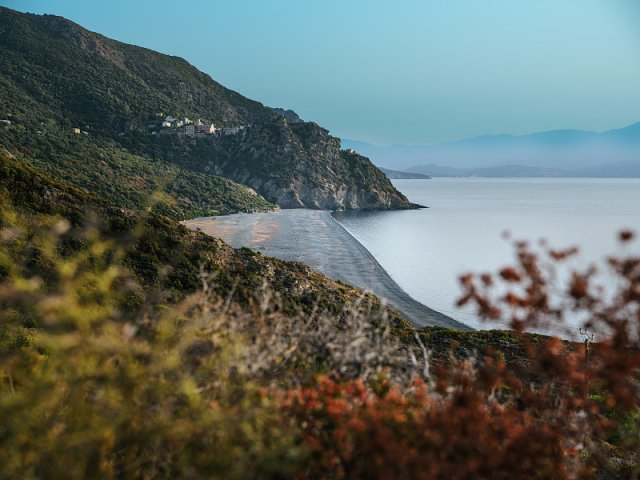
x=587 y=338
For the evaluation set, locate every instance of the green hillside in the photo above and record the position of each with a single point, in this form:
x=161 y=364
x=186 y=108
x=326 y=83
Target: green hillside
x=130 y=180
x=55 y=70
x=72 y=100
x=165 y=256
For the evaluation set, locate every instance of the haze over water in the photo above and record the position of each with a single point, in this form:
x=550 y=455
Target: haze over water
x=426 y=250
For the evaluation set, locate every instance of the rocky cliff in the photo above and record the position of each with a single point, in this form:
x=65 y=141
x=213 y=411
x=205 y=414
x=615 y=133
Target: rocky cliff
x=59 y=78
x=295 y=165
x=301 y=165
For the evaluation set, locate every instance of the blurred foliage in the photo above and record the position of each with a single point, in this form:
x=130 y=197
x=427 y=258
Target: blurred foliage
x=93 y=388
x=100 y=379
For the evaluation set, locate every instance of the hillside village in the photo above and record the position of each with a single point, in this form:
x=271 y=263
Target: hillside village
x=168 y=124
x=162 y=124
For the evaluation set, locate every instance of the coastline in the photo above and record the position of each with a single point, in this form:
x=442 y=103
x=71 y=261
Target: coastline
x=317 y=239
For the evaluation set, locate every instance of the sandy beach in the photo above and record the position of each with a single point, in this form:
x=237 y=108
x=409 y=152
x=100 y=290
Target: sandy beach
x=317 y=239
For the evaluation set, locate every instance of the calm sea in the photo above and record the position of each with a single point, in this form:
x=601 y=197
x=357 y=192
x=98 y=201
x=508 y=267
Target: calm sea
x=425 y=251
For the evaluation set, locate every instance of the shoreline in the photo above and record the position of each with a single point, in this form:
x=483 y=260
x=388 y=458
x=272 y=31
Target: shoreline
x=316 y=238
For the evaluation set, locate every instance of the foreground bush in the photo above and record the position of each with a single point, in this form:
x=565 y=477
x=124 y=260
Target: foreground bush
x=94 y=387
x=100 y=379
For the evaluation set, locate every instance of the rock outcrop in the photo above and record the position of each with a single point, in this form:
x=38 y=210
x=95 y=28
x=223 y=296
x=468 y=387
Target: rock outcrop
x=300 y=165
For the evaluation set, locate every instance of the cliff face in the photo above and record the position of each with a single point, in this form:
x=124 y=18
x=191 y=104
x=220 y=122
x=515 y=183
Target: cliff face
x=300 y=165
x=58 y=78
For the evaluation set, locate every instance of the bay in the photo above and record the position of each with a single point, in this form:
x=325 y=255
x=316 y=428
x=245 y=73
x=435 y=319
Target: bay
x=425 y=251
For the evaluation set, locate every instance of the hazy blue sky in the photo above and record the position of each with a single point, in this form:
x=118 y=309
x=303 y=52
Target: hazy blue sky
x=399 y=71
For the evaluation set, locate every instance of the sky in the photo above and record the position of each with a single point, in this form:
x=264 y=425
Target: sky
x=399 y=71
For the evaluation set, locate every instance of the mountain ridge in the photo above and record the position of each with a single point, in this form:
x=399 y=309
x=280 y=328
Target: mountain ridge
x=59 y=79
x=566 y=152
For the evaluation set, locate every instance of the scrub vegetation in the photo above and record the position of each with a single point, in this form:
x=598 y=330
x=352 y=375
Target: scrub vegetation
x=106 y=374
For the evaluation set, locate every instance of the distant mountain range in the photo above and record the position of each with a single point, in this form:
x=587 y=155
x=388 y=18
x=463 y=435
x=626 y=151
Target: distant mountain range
x=557 y=153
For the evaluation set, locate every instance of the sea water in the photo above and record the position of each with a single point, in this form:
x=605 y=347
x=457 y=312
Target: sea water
x=463 y=230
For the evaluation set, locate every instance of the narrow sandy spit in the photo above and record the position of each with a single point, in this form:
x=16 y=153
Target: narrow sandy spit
x=317 y=239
